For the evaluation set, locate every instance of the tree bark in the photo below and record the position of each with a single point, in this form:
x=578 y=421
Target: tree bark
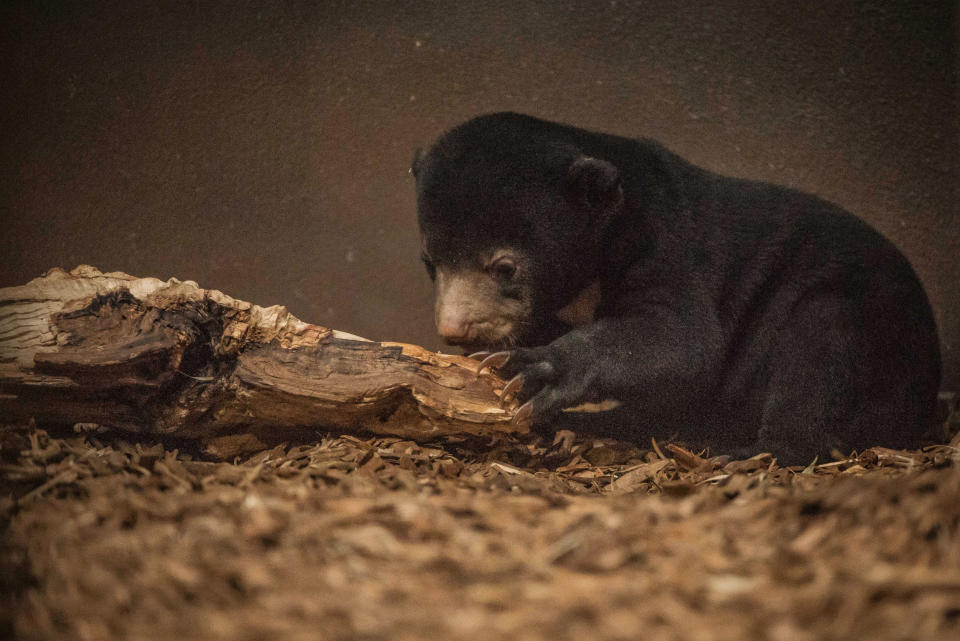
x=171 y=358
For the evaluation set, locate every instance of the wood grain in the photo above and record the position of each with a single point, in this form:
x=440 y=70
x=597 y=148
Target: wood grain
x=169 y=357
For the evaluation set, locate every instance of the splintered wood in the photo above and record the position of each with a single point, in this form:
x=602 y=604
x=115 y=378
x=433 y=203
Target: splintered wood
x=168 y=357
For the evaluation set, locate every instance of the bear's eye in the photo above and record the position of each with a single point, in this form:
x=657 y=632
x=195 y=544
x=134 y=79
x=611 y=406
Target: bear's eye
x=503 y=269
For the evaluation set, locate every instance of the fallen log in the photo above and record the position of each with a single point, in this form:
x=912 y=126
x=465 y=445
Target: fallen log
x=170 y=358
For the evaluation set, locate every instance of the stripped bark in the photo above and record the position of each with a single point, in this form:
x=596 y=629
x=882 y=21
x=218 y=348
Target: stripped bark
x=148 y=356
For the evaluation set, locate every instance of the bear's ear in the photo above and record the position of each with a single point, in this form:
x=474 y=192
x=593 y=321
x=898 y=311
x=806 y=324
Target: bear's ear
x=415 y=163
x=594 y=183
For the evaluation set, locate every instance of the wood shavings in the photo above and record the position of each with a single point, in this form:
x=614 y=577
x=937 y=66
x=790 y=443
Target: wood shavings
x=384 y=538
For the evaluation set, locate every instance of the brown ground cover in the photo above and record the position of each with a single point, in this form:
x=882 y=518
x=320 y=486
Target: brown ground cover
x=382 y=538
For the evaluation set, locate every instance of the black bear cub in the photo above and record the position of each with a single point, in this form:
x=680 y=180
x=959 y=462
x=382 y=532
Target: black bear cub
x=607 y=272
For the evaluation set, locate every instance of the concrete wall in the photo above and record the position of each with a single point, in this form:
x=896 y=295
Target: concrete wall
x=262 y=148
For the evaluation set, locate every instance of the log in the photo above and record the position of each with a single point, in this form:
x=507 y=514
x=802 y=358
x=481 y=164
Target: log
x=170 y=358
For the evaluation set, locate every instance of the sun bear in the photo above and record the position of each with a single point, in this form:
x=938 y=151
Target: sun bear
x=607 y=272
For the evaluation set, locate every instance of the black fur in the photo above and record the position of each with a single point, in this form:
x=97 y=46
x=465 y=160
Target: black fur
x=734 y=313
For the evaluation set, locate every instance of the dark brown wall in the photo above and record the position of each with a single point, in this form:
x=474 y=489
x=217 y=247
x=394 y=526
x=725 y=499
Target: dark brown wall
x=262 y=148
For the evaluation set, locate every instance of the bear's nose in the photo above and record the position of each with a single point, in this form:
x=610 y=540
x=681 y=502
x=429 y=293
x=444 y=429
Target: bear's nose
x=452 y=327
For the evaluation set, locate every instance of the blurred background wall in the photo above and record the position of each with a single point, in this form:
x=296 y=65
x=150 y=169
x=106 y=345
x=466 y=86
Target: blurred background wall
x=262 y=148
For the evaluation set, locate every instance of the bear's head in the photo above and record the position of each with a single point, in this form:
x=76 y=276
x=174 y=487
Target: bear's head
x=512 y=214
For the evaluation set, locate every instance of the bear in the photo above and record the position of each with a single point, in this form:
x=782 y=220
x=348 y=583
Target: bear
x=606 y=273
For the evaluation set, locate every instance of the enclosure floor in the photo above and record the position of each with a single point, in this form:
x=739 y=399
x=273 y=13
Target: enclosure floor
x=384 y=539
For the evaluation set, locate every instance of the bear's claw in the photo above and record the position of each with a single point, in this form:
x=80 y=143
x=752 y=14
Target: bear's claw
x=493 y=361
x=523 y=413
x=511 y=388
